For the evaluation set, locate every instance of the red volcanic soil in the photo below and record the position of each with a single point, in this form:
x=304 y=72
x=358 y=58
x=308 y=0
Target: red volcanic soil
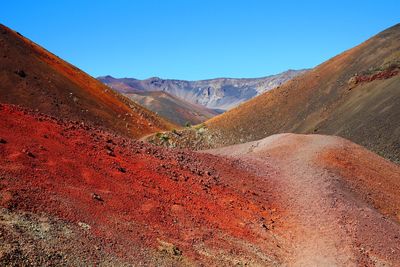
x=130 y=201
x=341 y=202
x=32 y=77
x=71 y=194
x=381 y=75
x=374 y=181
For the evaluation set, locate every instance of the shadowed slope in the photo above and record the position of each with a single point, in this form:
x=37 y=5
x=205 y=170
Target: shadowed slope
x=32 y=77
x=355 y=95
x=172 y=108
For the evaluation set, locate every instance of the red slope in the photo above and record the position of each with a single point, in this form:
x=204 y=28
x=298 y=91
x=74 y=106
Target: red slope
x=341 y=201
x=287 y=199
x=197 y=202
x=32 y=77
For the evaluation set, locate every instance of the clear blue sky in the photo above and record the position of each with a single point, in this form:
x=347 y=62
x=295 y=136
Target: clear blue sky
x=197 y=39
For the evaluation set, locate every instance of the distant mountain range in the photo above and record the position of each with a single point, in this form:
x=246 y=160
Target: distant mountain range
x=219 y=93
x=354 y=95
x=79 y=186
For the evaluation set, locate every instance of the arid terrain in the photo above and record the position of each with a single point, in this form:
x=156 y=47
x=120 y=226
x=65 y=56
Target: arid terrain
x=354 y=95
x=79 y=186
x=32 y=77
x=341 y=201
x=173 y=108
x=193 y=102
x=219 y=93
x=287 y=199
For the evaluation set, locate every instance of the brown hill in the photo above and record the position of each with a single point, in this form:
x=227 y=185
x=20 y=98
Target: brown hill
x=32 y=77
x=341 y=201
x=355 y=95
x=76 y=195
x=173 y=108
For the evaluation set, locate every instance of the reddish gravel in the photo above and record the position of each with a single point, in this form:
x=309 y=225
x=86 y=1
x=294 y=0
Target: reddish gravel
x=134 y=196
x=71 y=194
x=380 y=75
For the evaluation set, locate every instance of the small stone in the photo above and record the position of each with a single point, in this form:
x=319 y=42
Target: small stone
x=85 y=226
x=110 y=153
x=121 y=169
x=169 y=248
x=97 y=197
x=21 y=73
x=28 y=153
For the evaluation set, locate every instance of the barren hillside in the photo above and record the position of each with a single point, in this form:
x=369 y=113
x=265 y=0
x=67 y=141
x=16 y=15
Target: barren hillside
x=285 y=200
x=354 y=95
x=32 y=77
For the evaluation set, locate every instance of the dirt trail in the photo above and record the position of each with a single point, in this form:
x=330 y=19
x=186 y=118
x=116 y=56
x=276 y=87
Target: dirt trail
x=286 y=200
x=322 y=220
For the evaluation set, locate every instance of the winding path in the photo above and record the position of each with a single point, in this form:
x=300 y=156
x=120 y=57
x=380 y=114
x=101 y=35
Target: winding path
x=322 y=221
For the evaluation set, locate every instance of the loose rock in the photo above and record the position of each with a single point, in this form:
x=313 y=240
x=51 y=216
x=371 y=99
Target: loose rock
x=121 y=169
x=21 y=73
x=97 y=197
x=28 y=153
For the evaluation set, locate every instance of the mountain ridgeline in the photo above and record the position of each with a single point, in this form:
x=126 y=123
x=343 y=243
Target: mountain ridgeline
x=220 y=93
x=78 y=189
x=355 y=95
x=32 y=77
